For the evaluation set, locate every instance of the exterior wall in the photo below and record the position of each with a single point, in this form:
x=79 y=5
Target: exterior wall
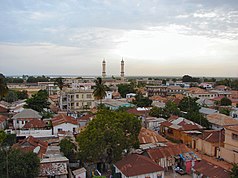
x=230 y=143
x=202 y=95
x=77 y=100
x=206 y=147
x=65 y=127
x=34 y=133
x=151 y=175
x=187 y=139
x=81 y=175
x=229 y=155
x=18 y=124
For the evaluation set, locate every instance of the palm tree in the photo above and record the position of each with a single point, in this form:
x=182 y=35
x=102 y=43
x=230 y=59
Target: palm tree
x=3 y=86
x=99 y=90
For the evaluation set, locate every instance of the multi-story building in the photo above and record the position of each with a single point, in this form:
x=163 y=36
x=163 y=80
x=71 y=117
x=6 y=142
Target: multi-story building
x=76 y=100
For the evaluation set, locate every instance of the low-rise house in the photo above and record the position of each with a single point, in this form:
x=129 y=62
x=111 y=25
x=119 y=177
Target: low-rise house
x=219 y=121
x=54 y=164
x=79 y=173
x=222 y=88
x=32 y=144
x=173 y=155
x=20 y=119
x=62 y=122
x=205 y=102
x=180 y=129
x=138 y=166
x=209 y=142
x=114 y=104
x=14 y=107
x=3 y=122
x=206 y=85
x=207 y=111
x=150 y=139
x=230 y=151
x=196 y=92
x=206 y=169
x=158 y=101
x=153 y=123
x=84 y=120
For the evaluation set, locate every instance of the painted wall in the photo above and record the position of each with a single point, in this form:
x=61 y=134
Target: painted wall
x=65 y=127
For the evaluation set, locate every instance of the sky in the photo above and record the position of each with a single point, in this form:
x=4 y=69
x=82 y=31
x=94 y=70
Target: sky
x=154 y=37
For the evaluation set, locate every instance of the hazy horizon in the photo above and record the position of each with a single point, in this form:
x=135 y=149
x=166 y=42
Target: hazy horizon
x=155 y=38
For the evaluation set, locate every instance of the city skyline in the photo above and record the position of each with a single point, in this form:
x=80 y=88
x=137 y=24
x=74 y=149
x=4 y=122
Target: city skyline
x=155 y=38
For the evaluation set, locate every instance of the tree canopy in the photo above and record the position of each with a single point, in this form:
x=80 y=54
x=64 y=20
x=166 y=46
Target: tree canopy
x=59 y=82
x=100 y=89
x=225 y=101
x=189 y=104
x=3 y=86
x=39 y=101
x=68 y=148
x=108 y=135
x=142 y=101
x=19 y=164
x=187 y=78
x=124 y=89
x=234 y=171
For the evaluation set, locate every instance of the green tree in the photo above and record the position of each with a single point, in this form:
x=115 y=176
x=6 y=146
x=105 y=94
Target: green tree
x=100 y=89
x=188 y=104
x=198 y=118
x=3 y=136
x=225 y=111
x=18 y=164
x=225 y=101
x=22 y=94
x=142 y=101
x=158 y=112
x=68 y=148
x=11 y=96
x=124 y=89
x=108 y=135
x=234 y=171
x=187 y=78
x=3 y=86
x=39 y=101
x=59 y=82
x=172 y=108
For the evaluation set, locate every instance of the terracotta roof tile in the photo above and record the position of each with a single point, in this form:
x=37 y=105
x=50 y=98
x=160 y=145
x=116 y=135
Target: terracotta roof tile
x=63 y=118
x=134 y=165
x=30 y=143
x=34 y=123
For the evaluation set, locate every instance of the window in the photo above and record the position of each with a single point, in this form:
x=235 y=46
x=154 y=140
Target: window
x=77 y=96
x=234 y=136
x=59 y=129
x=17 y=122
x=77 y=104
x=89 y=96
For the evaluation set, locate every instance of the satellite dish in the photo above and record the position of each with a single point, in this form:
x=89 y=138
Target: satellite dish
x=36 y=150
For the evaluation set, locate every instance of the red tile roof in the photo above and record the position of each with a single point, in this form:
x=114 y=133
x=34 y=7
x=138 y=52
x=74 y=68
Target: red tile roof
x=85 y=118
x=34 y=123
x=135 y=165
x=63 y=118
x=138 y=113
x=149 y=136
x=30 y=143
x=210 y=170
x=167 y=151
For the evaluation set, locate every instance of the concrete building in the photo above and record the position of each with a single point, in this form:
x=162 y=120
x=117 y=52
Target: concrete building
x=76 y=100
